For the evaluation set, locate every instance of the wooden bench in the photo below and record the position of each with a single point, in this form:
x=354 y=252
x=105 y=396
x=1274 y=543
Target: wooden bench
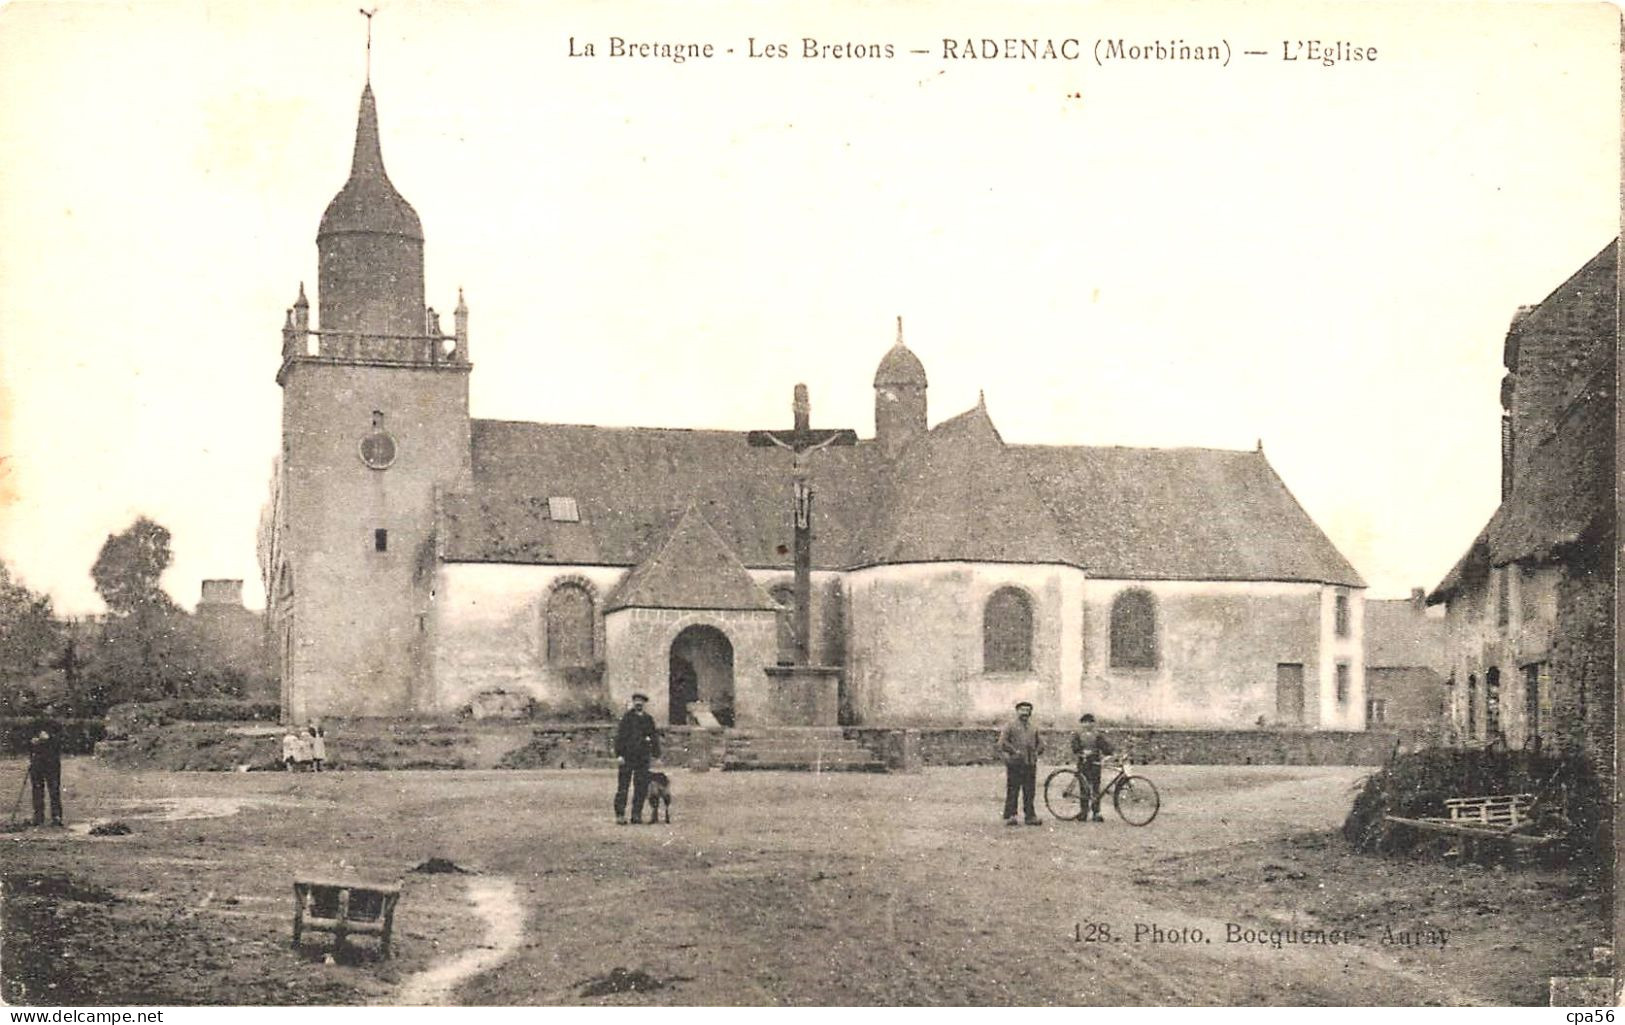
x=1501 y=819
x=345 y=908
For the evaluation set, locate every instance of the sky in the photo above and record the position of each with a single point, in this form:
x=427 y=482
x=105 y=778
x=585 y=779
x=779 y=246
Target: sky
x=1181 y=253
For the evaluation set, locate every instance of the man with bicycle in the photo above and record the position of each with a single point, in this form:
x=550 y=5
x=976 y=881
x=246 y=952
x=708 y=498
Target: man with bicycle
x=1088 y=746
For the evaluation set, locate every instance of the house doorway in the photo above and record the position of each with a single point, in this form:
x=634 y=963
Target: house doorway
x=702 y=669
x=1289 y=693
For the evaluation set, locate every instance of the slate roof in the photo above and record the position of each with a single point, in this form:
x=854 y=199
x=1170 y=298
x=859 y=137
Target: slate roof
x=692 y=568
x=957 y=493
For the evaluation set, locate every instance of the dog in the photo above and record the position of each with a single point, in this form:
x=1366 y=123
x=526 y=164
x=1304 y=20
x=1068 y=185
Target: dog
x=659 y=794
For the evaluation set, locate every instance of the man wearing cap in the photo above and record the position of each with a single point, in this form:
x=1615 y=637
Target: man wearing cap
x=636 y=742
x=1019 y=746
x=1088 y=745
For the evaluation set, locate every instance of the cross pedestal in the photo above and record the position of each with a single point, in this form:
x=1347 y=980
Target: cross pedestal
x=804 y=695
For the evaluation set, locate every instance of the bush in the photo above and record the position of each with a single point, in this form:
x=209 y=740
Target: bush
x=1416 y=785
x=126 y=720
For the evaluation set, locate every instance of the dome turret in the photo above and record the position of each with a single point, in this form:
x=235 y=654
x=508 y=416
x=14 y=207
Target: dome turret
x=899 y=397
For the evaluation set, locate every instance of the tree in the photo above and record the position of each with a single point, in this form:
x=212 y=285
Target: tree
x=147 y=648
x=127 y=570
x=30 y=639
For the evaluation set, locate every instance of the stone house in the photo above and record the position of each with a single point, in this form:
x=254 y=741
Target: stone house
x=1406 y=665
x=420 y=557
x=1530 y=605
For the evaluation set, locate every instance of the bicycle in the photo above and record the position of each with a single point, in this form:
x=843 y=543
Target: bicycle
x=1134 y=797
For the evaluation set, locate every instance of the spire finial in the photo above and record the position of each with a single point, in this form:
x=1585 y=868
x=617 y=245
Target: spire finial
x=899 y=329
x=368 y=15
x=981 y=399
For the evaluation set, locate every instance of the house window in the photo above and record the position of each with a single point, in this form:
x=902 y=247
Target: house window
x=1134 y=630
x=1503 y=596
x=1007 y=632
x=784 y=596
x=1492 y=703
x=1340 y=613
x=1528 y=609
x=569 y=623
x=1472 y=706
x=380 y=540
x=1531 y=705
x=1342 y=683
x=1376 y=712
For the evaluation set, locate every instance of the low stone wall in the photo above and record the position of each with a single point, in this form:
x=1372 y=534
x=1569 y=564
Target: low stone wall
x=974 y=745
x=486 y=744
x=573 y=746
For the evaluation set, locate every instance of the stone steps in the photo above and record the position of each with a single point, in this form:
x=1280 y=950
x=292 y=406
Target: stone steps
x=797 y=750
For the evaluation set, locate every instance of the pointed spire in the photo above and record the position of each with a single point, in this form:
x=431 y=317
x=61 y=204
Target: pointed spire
x=369 y=202
x=899 y=329
x=981 y=400
x=301 y=303
x=462 y=306
x=369 y=154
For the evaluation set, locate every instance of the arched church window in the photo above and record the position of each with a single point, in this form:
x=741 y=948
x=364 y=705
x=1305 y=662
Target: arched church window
x=569 y=624
x=784 y=596
x=1007 y=632
x=1134 y=630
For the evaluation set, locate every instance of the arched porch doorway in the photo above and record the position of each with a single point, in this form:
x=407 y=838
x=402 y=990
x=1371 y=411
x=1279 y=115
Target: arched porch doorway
x=702 y=669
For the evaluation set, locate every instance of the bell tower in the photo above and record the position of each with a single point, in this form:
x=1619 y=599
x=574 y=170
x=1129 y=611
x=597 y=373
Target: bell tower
x=374 y=422
x=899 y=397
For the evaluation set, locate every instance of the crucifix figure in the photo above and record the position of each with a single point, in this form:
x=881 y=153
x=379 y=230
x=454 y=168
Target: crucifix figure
x=801 y=442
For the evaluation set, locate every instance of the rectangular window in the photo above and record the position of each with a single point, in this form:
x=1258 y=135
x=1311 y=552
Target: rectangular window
x=1492 y=703
x=380 y=540
x=1342 y=683
x=1528 y=609
x=1341 y=613
x=1376 y=711
x=1503 y=596
x=1531 y=705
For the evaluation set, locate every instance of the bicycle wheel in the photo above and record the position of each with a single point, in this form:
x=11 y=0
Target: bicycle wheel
x=1136 y=800
x=1063 y=794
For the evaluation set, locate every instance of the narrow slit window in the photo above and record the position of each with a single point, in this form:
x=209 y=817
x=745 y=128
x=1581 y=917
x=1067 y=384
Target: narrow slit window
x=380 y=540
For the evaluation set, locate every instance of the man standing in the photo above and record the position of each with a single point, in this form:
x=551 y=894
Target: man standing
x=45 y=766
x=636 y=742
x=1088 y=745
x=1019 y=746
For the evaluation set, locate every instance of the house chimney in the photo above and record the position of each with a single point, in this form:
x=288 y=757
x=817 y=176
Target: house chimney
x=1419 y=598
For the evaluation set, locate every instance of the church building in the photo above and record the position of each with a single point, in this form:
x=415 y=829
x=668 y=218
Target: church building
x=421 y=559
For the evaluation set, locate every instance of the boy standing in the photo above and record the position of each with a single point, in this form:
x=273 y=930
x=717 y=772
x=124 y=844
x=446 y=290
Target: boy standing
x=1088 y=745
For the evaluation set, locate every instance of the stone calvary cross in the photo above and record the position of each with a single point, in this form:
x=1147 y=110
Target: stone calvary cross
x=802 y=441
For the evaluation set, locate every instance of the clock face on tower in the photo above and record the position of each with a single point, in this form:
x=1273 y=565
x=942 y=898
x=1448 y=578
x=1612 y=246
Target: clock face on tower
x=378 y=450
